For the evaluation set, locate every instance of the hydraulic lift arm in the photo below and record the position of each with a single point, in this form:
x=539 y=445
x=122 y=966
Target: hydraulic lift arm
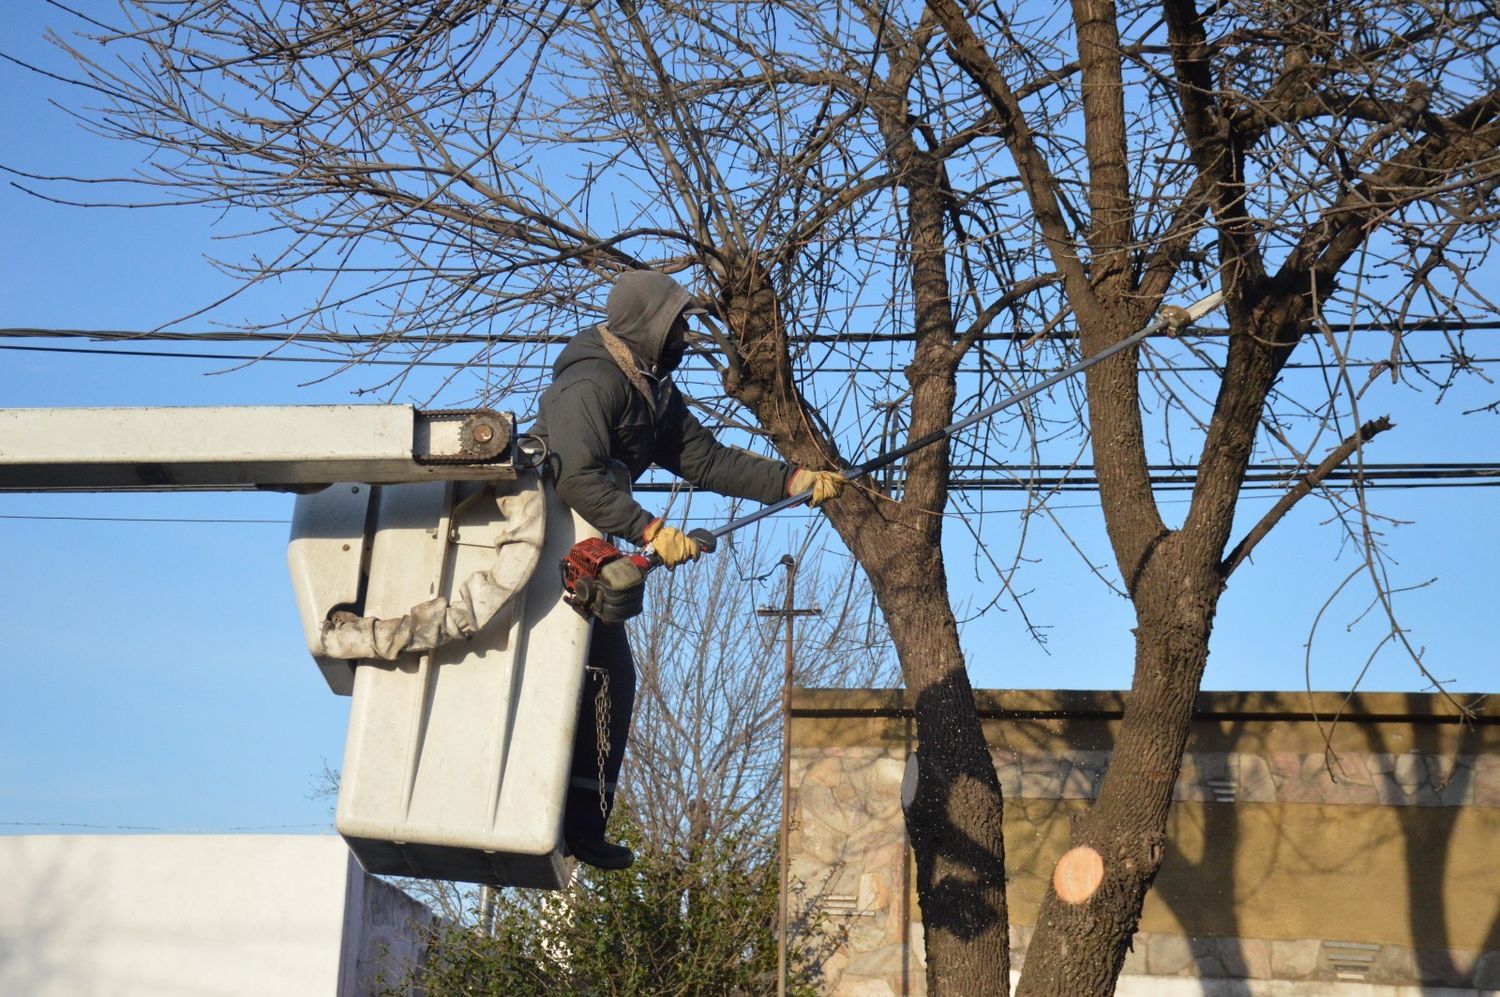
x=291 y=447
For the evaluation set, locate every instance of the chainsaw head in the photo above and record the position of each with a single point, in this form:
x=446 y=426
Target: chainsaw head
x=601 y=582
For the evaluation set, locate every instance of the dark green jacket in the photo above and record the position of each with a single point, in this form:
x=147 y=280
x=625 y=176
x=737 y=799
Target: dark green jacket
x=592 y=414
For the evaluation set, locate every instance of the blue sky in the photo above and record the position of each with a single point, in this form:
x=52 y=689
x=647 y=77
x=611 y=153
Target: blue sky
x=155 y=675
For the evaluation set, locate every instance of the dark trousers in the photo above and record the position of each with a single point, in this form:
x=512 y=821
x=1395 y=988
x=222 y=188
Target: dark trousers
x=609 y=652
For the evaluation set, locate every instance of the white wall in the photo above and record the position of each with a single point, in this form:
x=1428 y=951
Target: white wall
x=193 y=916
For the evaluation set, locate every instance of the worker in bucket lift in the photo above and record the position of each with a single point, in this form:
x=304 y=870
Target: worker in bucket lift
x=611 y=403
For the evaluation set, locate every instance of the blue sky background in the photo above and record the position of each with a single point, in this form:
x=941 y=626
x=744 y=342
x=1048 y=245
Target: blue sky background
x=155 y=676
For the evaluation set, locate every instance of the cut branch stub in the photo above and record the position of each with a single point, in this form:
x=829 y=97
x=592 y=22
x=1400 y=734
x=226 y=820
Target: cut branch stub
x=909 y=782
x=1077 y=875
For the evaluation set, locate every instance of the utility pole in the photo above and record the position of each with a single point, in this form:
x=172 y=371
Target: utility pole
x=487 y=910
x=787 y=612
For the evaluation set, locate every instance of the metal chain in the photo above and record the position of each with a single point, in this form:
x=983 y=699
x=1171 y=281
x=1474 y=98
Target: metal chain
x=601 y=734
x=454 y=415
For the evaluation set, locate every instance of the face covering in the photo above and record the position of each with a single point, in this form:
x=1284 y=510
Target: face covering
x=673 y=350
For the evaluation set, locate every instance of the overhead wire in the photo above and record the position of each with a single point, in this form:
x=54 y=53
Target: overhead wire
x=252 y=357
x=1263 y=478
x=162 y=829
x=147 y=519
x=456 y=364
x=1076 y=479
x=1020 y=334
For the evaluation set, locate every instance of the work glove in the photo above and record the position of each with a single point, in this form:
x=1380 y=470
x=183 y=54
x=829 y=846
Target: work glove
x=824 y=485
x=671 y=544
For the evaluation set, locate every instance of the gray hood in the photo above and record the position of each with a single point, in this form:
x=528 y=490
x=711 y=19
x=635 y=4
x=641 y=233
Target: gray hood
x=600 y=411
x=641 y=308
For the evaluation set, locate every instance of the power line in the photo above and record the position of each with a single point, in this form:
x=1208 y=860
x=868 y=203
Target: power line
x=1025 y=333
x=161 y=830
x=255 y=357
x=148 y=519
x=1091 y=485
x=1167 y=478
x=252 y=336
x=1176 y=477
x=1258 y=477
x=1280 y=468
x=818 y=368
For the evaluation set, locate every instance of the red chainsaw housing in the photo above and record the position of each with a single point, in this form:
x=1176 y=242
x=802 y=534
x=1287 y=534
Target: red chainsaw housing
x=581 y=567
x=586 y=559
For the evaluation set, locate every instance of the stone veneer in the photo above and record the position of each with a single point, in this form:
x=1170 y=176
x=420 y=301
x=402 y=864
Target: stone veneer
x=1304 y=858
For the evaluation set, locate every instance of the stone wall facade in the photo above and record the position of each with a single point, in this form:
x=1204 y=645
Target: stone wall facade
x=1305 y=856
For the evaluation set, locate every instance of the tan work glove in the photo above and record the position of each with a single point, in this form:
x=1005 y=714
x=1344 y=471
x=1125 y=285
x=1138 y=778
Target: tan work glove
x=671 y=544
x=824 y=485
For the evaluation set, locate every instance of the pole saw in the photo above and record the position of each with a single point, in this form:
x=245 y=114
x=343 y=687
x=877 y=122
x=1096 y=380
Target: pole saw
x=587 y=568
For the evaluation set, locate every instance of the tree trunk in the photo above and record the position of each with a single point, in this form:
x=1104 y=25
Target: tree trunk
x=954 y=818
x=1081 y=941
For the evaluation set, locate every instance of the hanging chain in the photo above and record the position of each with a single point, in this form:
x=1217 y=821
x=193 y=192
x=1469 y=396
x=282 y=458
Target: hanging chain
x=601 y=734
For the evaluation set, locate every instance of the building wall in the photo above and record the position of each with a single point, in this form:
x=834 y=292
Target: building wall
x=1304 y=856
x=196 y=916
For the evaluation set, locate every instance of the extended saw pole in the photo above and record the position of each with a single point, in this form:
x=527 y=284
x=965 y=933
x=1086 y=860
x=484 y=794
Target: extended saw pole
x=1169 y=319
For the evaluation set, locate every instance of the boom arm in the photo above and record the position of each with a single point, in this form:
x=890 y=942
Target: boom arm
x=295 y=447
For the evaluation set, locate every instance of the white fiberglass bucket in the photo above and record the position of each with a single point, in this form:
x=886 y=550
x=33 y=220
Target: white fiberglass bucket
x=457 y=759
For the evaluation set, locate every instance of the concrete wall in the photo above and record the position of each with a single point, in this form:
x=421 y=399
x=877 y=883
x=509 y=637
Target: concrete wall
x=1304 y=857
x=195 y=916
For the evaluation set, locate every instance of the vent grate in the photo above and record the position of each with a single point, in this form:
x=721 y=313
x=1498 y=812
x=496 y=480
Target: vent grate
x=1223 y=790
x=843 y=905
x=1350 y=960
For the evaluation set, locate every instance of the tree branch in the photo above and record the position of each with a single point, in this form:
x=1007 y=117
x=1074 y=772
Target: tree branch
x=1211 y=138
x=1301 y=490
x=1451 y=145
x=1111 y=204
x=1036 y=176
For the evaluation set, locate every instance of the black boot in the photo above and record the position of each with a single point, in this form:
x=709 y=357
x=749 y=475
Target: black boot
x=583 y=833
x=601 y=854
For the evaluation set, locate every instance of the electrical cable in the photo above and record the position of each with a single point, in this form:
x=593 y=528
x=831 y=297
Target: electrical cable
x=250 y=357
x=147 y=519
x=1021 y=334
x=458 y=364
x=161 y=830
x=1261 y=478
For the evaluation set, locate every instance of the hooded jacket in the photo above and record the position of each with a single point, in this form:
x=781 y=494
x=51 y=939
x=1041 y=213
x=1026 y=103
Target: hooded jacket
x=598 y=411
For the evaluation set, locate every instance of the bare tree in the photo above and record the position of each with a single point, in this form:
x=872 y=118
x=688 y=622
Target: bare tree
x=1308 y=149
x=898 y=210
x=705 y=751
